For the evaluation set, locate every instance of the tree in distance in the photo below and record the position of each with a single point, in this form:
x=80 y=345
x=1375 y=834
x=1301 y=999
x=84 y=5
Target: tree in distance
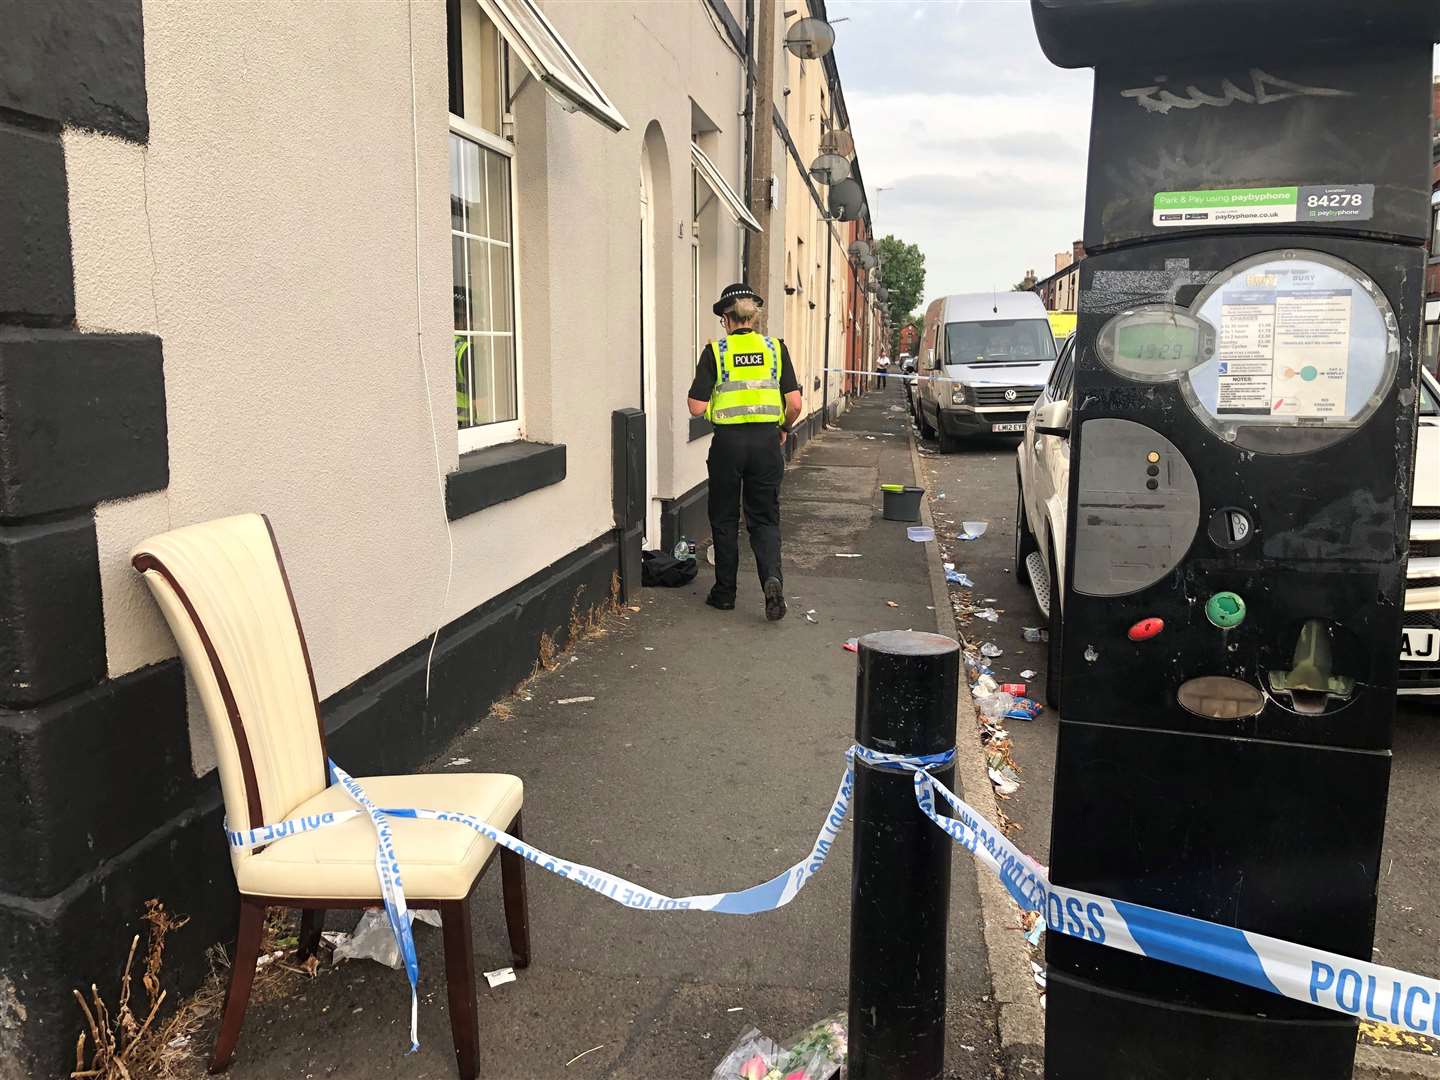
x=902 y=272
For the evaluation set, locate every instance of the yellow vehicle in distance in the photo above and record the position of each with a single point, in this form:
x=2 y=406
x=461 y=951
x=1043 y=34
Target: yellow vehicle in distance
x=1062 y=324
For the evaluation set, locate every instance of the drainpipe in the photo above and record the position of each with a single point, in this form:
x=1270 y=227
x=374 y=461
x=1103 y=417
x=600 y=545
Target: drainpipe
x=747 y=150
x=825 y=360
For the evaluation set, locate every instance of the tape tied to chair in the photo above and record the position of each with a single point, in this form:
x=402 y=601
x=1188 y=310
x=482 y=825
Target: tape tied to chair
x=1299 y=972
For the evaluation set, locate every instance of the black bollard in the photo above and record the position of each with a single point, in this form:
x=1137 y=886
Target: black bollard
x=900 y=890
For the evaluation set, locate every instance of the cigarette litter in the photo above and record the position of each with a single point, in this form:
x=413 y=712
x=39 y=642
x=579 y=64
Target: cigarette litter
x=848 y=555
x=575 y=700
x=457 y=761
x=853 y=645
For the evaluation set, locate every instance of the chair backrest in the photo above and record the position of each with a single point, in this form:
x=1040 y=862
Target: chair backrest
x=223 y=590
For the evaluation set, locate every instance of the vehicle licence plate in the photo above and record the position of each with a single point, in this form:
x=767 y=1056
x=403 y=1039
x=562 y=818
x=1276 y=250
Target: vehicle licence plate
x=1007 y=427
x=1420 y=644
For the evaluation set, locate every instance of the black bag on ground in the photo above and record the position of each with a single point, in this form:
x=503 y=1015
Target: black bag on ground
x=661 y=568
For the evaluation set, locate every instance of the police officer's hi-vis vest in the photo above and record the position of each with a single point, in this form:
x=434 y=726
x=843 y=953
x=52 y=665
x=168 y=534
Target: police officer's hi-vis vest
x=747 y=380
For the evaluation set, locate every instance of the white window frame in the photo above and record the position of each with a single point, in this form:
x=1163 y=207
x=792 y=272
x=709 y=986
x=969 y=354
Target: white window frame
x=503 y=431
x=519 y=21
x=729 y=198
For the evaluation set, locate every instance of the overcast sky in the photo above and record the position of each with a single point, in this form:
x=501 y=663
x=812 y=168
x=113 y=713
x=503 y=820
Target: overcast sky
x=978 y=141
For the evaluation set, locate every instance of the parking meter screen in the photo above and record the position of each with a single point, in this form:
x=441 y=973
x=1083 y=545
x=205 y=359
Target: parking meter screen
x=1171 y=343
x=1303 y=341
x=1154 y=342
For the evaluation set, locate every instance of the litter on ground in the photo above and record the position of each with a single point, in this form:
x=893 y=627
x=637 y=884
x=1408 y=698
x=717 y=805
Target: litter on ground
x=973 y=530
x=575 y=700
x=457 y=761
x=921 y=534
x=848 y=555
x=500 y=976
x=991 y=650
x=1027 y=674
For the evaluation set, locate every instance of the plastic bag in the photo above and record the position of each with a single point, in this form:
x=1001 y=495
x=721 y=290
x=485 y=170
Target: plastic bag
x=372 y=938
x=814 y=1054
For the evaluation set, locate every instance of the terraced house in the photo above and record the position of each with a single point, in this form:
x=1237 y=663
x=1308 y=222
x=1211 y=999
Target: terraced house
x=424 y=283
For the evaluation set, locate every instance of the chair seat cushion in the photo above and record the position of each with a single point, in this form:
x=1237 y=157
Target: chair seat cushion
x=439 y=860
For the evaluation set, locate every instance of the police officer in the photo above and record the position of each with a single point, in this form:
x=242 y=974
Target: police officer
x=745 y=386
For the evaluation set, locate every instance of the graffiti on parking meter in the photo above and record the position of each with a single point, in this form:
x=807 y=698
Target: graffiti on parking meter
x=1265 y=89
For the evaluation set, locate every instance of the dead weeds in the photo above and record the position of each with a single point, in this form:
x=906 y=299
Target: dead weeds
x=121 y=1046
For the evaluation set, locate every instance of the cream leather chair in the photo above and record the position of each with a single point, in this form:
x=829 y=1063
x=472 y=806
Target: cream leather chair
x=224 y=592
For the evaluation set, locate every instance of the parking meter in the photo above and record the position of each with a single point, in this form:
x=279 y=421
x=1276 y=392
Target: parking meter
x=1242 y=439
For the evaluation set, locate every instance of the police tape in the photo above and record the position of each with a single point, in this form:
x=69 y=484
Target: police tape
x=900 y=376
x=767 y=896
x=1299 y=972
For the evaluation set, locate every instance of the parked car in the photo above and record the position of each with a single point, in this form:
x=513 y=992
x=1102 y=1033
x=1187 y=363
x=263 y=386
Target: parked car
x=1043 y=491
x=907 y=367
x=988 y=356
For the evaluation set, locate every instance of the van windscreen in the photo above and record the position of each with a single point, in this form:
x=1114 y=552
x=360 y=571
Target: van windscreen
x=996 y=341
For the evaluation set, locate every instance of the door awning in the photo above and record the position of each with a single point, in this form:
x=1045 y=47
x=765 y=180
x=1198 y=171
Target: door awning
x=723 y=191
x=529 y=33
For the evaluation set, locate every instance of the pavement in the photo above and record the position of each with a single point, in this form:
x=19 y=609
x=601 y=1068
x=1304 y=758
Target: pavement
x=978 y=483
x=705 y=762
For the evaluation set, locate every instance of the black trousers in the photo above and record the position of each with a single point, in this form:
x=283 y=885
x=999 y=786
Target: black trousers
x=746 y=465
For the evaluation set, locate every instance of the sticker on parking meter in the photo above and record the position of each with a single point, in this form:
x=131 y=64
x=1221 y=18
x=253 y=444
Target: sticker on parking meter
x=1284 y=351
x=1264 y=206
x=1302 y=338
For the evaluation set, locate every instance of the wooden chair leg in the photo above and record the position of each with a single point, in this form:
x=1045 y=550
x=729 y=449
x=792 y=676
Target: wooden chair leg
x=460 y=984
x=242 y=974
x=312 y=923
x=517 y=904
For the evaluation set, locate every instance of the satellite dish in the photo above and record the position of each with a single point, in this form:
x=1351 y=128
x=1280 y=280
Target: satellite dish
x=830 y=169
x=845 y=200
x=837 y=141
x=882 y=292
x=869 y=262
x=810 y=39
x=859 y=249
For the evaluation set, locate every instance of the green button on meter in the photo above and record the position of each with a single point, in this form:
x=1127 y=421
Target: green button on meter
x=1225 y=610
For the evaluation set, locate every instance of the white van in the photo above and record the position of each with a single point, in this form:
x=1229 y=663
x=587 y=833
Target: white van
x=984 y=358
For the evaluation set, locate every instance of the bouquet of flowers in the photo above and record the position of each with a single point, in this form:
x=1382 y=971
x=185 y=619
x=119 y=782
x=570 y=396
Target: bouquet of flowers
x=815 y=1054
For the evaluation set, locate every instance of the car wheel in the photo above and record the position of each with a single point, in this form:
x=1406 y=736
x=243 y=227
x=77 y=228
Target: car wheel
x=1052 y=664
x=1024 y=538
x=926 y=431
x=948 y=443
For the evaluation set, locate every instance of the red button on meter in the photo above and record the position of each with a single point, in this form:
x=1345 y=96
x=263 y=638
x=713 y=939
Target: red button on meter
x=1146 y=629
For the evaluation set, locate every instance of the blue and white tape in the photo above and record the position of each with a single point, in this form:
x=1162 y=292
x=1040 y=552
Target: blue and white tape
x=1339 y=983
x=767 y=896
x=1299 y=972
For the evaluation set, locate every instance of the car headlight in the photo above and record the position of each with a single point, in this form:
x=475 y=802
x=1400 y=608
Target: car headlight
x=957 y=394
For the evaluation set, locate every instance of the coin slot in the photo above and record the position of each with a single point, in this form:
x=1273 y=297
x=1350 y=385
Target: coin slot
x=1219 y=697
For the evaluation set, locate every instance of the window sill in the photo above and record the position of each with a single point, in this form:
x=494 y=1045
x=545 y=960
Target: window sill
x=497 y=474
x=699 y=428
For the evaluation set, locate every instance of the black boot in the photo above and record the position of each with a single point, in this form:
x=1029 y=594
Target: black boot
x=774 y=600
x=721 y=601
